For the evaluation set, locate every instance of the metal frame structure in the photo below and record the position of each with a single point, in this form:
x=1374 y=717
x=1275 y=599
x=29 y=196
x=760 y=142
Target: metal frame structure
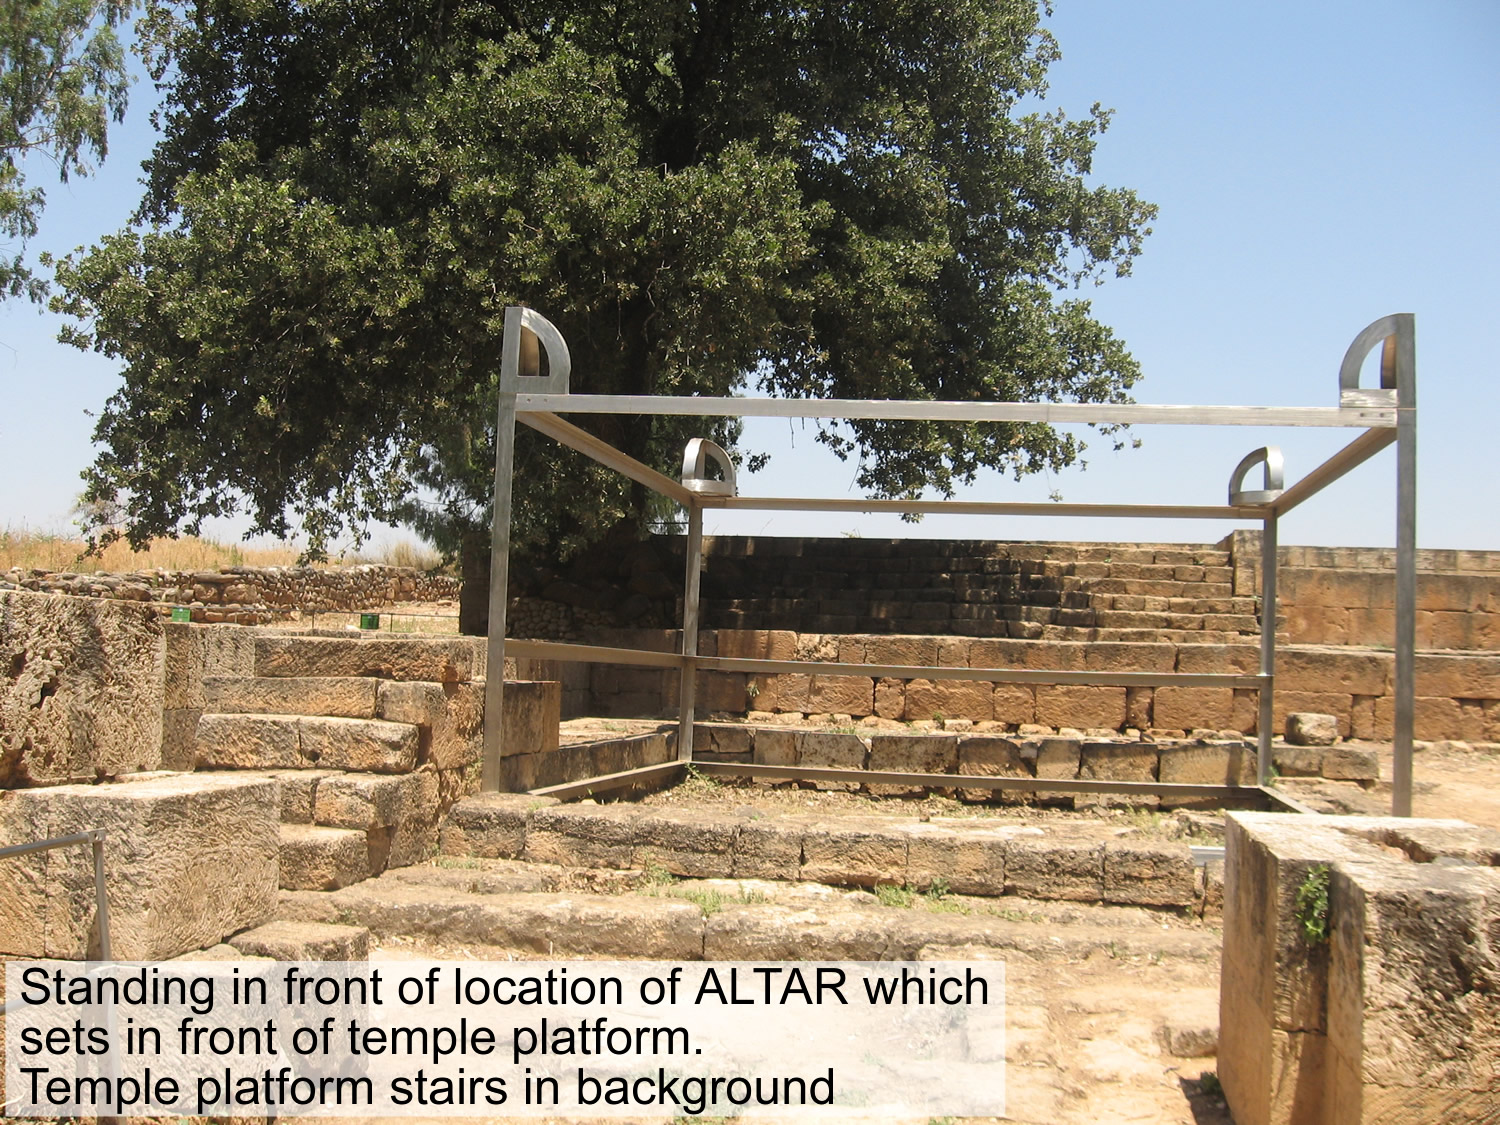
x=94 y=838
x=1385 y=415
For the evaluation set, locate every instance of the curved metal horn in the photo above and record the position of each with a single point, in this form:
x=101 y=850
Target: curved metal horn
x=1391 y=331
x=518 y=323
x=1275 y=477
x=695 y=458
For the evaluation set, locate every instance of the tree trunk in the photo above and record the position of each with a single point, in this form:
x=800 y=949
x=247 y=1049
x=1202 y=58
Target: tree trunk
x=474 y=596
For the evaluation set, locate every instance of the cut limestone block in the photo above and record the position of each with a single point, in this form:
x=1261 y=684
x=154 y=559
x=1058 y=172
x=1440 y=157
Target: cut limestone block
x=1385 y=1020
x=1348 y=763
x=249 y=742
x=969 y=859
x=991 y=756
x=1044 y=867
x=769 y=849
x=81 y=696
x=363 y=745
x=582 y=836
x=687 y=842
x=189 y=859
x=351 y=697
x=450 y=719
x=491 y=825
x=441 y=660
x=911 y=753
x=304 y=941
x=314 y=858
x=533 y=709
x=299 y=790
x=1149 y=873
x=857 y=851
x=1308 y=728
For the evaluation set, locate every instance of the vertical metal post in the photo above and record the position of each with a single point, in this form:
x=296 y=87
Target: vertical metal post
x=1264 y=725
x=494 y=673
x=690 y=587
x=101 y=895
x=1401 y=350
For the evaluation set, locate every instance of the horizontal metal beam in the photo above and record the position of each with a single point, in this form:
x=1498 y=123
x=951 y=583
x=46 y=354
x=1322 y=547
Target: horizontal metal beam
x=609 y=782
x=966 y=781
x=1287 y=802
x=987 y=508
x=1356 y=453
x=995 y=675
x=604 y=453
x=591 y=654
x=902 y=410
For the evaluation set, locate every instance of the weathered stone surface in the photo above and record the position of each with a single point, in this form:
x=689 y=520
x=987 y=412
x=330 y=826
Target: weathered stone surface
x=722 y=738
x=579 y=836
x=449 y=719
x=1189 y=707
x=442 y=660
x=1054 y=868
x=347 y=696
x=1206 y=763
x=532 y=709
x=1149 y=873
x=1065 y=705
x=688 y=842
x=81 y=688
x=1348 y=763
x=857 y=851
x=297 y=789
x=491 y=825
x=831 y=751
x=950 y=699
x=364 y=745
x=1297 y=761
x=249 y=742
x=365 y=801
x=304 y=941
x=968 y=858
x=982 y=755
x=179 y=737
x=1118 y=761
x=315 y=858
x=1304 y=728
x=190 y=859
x=769 y=849
x=775 y=747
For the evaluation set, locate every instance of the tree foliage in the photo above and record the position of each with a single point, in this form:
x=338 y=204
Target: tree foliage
x=849 y=200
x=62 y=80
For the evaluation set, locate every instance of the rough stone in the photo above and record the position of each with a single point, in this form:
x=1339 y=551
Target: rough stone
x=687 y=842
x=1118 y=761
x=991 y=756
x=346 y=696
x=1304 y=728
x=81 y=688
x=491 y=825
x=1052 y=868
x=249 y=742
x=304 y=941
x=1149 y=874
x=768 y=849
x=970 y=860
x=191 y=859
x=315 y=858
x=364 y=745
x=854 y=851
x=442 y=660
x=907 y=753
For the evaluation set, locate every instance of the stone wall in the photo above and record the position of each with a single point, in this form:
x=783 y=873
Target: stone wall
x=246 y=595
x=81 y=689
x=1458 y=694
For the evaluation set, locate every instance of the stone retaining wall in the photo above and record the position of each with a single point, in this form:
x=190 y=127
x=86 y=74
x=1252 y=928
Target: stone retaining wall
x=249 y=595
x=1458 y=694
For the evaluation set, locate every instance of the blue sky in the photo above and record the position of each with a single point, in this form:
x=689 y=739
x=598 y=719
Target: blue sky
x=1316 y=165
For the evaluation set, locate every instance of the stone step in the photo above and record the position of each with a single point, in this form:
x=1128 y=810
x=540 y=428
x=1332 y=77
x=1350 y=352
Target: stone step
x=733 y=920
x=257 y=741
x=352 y=697
x=436 y=659
x=1075 y=861
x=304 y=941
x=315 y=858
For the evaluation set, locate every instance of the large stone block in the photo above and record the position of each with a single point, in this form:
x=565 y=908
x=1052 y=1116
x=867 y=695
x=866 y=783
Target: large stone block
x=442 y=660
x=1053 y=868
x=1118 y=761
x=304 y=941
x=990 y=756
x=315 y=858
x=854 y=851
x=363 y=745
x=950 y=699
x=692 y=843
x=491 y=825
x=1207 y=763
x=450 y=719
x=348 y=696
x=1068 y=705
x=1184 y=708
x=81 y=688
x=189 y=860
x=968 y=858
x=769 y=849
x=578 y=836
x=1149 y=873
x=533 y=709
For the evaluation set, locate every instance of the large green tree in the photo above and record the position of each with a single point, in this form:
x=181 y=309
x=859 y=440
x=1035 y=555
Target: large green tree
x=859 y=200
x=62 y=80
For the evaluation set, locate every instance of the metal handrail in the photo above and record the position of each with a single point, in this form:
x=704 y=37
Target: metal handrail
x=94 y=837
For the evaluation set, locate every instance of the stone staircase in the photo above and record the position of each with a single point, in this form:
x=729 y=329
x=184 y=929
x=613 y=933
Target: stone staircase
x=1053 y=591
x=370 y=741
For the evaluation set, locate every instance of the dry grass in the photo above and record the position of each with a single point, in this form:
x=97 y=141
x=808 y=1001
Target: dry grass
x=27 y=548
